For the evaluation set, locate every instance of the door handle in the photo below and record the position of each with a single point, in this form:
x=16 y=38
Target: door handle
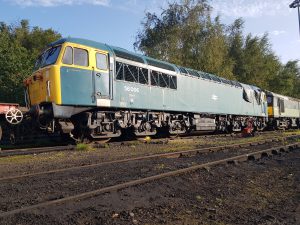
x=98 y=74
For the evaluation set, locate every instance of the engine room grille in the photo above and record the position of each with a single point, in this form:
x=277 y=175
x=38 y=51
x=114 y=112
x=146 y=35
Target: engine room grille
x=163 y=80
x=137 y=74
x=131 y=73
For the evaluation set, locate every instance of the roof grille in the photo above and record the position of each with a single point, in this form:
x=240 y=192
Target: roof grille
x=160 y=65
x=126 y=55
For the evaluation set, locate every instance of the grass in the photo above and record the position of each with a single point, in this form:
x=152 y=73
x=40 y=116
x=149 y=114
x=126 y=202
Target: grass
x=16 y=159
x=83 y=147
x=136 y=146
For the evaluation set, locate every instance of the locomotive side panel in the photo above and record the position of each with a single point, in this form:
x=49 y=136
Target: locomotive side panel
x=192 y=95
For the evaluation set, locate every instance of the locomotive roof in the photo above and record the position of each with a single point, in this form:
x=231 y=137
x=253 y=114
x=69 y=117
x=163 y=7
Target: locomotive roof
x=123 y=53
x=270 y=93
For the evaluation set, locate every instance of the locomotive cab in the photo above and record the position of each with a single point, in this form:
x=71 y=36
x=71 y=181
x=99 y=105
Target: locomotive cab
x=68 y=74
x=41 y=84
x=283 y=111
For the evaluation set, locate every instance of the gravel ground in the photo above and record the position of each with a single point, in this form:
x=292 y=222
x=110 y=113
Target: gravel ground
x=260 y=192
x=33 y=190
x=264 y=192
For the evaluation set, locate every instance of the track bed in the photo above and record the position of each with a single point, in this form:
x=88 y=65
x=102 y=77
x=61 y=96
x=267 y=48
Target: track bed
x=235 y=194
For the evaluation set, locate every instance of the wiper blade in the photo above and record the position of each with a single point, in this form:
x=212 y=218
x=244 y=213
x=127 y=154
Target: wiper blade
x=51 y=52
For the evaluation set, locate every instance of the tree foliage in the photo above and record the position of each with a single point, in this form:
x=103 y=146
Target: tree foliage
x=186 y=34
x=19 y=47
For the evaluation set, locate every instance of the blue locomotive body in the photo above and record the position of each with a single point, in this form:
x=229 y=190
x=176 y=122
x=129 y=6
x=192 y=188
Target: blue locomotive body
x=103 y=89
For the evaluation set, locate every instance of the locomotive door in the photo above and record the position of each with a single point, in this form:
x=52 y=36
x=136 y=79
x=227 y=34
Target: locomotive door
x=281 y=108
x=101 y=76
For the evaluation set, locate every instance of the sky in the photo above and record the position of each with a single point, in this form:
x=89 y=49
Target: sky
x=117 y=22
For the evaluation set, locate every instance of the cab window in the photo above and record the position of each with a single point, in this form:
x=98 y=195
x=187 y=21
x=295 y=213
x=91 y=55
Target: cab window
x=48 y=57
x=102 y=62
x=270 y=100
x=68 y=56
x=80 y=57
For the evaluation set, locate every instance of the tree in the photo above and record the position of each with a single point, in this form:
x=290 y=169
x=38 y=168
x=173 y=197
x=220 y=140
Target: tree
x=186 y=34
x=287 y=81
x=19 y=48
x=258 y=65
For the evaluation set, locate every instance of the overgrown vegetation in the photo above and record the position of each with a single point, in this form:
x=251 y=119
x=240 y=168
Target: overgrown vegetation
x=187 y=34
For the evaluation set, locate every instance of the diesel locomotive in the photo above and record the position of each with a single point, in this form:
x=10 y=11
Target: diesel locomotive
x=89 y=89
x=283 y=111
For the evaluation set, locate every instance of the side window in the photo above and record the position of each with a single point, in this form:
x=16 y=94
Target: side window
x=163 y=80
x=173 y=82
x=281 y=105
x=80 y=57
x=102 y=62
x=119 y=71
x=131 y=73
x=154 y=78
x=143 y=76
x=68 y=56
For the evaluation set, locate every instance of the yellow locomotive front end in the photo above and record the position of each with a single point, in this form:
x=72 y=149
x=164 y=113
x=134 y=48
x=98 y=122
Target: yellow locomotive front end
x=43 y=86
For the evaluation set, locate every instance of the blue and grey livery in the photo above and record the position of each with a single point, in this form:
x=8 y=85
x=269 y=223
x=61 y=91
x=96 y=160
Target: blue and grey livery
x=101 y=90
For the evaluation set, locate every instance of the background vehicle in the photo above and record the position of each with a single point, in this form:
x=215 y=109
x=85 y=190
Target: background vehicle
x=284 y=112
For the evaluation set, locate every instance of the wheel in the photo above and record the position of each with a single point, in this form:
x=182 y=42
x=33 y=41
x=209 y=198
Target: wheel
x=14 y=116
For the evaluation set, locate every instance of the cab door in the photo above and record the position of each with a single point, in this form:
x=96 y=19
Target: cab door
x=101 y=75
x=281 y=108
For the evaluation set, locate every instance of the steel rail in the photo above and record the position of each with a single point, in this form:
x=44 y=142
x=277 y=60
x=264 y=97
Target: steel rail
x=175 y=154
x=85 y=195
x=38 y=150
x=28 y=151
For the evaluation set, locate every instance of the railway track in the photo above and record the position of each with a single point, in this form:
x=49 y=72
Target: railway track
x=38 y=150
x=242 y=156
x=175 y=154
x=28 y=151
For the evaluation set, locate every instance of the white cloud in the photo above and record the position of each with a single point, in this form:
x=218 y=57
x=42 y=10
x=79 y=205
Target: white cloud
x=251 y=8
x=277 y=32
x=51 y=3
x=140 y=6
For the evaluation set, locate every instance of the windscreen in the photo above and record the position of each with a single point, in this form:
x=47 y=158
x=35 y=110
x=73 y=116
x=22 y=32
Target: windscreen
x=48 y=57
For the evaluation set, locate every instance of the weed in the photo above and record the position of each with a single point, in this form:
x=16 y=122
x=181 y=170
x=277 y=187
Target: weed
x=199 y=198
x=160 y=166
x=83 y=147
